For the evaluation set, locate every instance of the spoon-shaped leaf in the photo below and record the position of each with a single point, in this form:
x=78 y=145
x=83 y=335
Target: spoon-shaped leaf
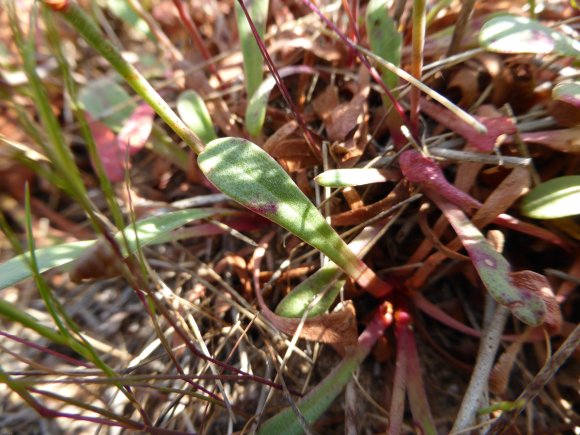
x=513 y=34
x=493 y=269
x=192 y=110
x=557 y=198
x=247 y=174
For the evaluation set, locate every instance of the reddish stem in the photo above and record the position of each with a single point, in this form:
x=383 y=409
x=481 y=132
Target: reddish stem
x=373 y=72
x=185 y=17
x=281 y=86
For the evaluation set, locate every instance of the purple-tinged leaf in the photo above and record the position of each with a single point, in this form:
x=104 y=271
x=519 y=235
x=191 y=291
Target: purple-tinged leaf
x=108 y=150
x=247 y=174
x=568 y=92
x=493 y=268
x=565 y=140
x=485 y=142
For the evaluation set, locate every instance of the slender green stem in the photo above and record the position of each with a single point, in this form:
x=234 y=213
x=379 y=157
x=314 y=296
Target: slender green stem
x=419 y=25
x=77 y=18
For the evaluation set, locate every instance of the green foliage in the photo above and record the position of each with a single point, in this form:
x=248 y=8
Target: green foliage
x=148 y=231
x=192 y=109
x=253 y=63
x=384 y=38
x=326 y=279
x=246 y=173
x=513 y=34
x=107 y=101
x=556 y=198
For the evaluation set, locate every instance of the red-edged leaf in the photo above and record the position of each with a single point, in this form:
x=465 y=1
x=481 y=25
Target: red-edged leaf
x=496 y=126
x=136 y=129
x=108 y=150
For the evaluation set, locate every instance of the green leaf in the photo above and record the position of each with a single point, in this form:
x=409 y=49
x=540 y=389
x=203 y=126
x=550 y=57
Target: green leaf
x=16 y=269
x=355 y=177
x=313 y=405
x=258 y=10
x=148 y=231
x=297 y=301
x=108 y=102
x=557 y=198
x=192 y=110
x=384 y=38
x=493 y=269
x=121 y=9
x=246 y=173
x=513 y=34
x=256 y=110
x=568 y=92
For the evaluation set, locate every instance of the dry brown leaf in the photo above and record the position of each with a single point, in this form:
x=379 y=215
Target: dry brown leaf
x=538 y=284
x=98 y=261
x=566 y=141
x=326 y=102
x=355 y=217
x=293 y=154
x=500 y=374
x=510 y=189
x=337 y=328
x=279 y=135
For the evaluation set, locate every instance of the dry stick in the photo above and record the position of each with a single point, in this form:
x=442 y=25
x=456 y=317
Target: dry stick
x=539 y=381
x=459 y=31
x=485 y=357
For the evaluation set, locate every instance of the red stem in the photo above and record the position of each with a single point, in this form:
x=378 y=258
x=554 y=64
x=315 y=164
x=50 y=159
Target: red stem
x=281 y=86
x=185 y=17
x=373 y=72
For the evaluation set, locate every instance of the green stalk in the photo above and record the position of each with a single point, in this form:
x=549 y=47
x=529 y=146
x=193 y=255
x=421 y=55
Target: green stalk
x=419 y=25
x=55 y=147
x=321 y=397
x=83 y=24
x=54 y=40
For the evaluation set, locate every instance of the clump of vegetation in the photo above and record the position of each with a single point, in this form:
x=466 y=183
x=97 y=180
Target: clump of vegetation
x=275 y=218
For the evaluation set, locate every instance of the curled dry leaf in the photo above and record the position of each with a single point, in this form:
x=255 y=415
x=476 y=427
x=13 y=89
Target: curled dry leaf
x=354 y=217
x=293 y=154
x=500 y=374
x=337 y=328
x=98 y=261
x=566 y=140
x=538 y=284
